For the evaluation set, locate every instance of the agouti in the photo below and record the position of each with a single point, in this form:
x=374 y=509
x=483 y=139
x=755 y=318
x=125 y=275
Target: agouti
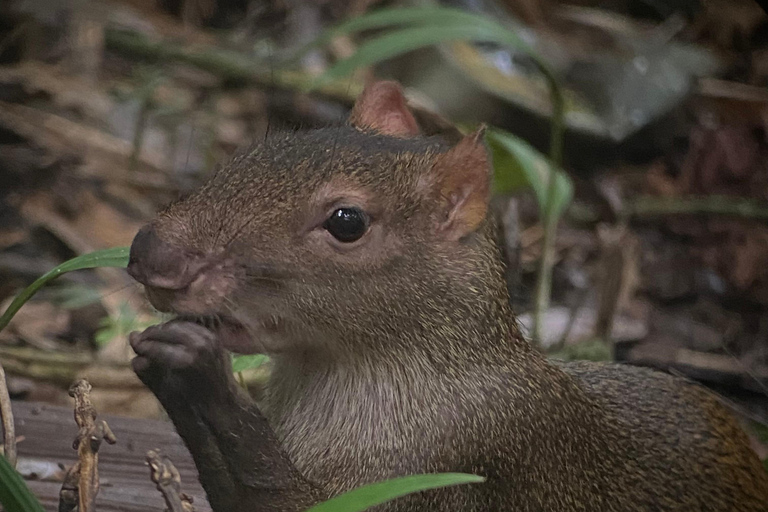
x=363 y=260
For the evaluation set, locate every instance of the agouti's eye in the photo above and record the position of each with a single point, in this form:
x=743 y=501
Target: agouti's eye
x=347 y=224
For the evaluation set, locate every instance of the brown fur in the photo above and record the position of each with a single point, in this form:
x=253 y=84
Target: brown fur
x=400 y=354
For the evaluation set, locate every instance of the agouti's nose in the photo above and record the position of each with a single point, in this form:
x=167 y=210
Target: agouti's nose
x=158 y=264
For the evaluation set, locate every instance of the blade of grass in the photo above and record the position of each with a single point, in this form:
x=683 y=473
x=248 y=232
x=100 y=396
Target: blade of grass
x=371 y=495
x=114 y=257
x=402 y=41
x=15 y=496
x=394 y=17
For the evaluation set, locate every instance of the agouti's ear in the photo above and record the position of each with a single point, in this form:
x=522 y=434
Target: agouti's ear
x=462 y=177
x=382 y=108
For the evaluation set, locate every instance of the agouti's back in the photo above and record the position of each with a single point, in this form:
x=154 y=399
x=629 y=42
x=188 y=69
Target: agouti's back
x=689 y=453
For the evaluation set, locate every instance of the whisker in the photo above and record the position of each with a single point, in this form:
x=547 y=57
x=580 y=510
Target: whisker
x=189 y=148
x=272 y=80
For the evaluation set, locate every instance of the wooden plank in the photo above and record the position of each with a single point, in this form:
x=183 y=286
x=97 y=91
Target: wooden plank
x=125 y=485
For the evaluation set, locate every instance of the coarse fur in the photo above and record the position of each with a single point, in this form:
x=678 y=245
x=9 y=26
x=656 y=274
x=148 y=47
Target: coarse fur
x=399 y=353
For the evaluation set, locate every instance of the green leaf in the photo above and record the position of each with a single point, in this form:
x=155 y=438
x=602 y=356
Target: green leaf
x=590 y=350
x=115 y=257
x=244 y=362
x=517 y=163
x=432 y=26
x=371 y=495
x=15 y=496
x=404 y=16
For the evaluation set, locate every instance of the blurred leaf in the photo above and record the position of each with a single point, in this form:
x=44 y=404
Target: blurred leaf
x=106 y=333
x=244 y=362
x=125 y=322
x=428 y=27
x=517 y=163
x=114 y=257
x=590 y=350
x=761 y=431
x=414 y=16
x=15 y=496
x=371 y=495
x=75 y=296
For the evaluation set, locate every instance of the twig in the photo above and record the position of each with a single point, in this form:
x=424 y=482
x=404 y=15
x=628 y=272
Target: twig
x=166 y=476
x=9 y=431
x=81 y=484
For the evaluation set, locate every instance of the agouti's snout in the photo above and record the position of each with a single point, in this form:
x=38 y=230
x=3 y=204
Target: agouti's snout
x=169 y=273
x=156 y=263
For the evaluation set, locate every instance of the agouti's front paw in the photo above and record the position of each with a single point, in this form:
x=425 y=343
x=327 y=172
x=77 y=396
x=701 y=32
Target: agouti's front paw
x=179 y=356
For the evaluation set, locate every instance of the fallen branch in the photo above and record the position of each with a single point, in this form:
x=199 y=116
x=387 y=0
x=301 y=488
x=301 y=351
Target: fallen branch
x=81 y=484
x=166 y=476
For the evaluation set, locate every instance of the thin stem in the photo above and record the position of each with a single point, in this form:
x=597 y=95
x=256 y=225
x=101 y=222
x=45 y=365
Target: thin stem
x=649 y=206
x=550 y=220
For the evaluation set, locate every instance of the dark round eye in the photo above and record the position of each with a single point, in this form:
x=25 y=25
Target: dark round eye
x=347 y=224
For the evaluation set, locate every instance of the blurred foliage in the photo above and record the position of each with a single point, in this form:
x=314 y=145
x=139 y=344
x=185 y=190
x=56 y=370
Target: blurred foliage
x=517 y=165
x=125 y=322
x=594 y=349
x=247 y=361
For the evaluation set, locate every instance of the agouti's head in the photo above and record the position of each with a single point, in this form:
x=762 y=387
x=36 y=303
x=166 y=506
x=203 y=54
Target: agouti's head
x=350 y=233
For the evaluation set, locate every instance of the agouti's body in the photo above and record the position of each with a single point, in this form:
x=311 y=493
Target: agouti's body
x=361 y=259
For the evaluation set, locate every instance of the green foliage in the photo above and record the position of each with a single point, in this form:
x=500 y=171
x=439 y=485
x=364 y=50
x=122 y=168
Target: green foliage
x=245 y=362
x=75 y=296
x=414 y=28
x=760 y=431
x=517 y=164
x=590 y=350
x=126 y=321
x=15 y=496
x=371 y=495
x=115 y=257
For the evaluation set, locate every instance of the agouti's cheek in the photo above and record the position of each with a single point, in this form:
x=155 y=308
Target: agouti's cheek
x=369 y=251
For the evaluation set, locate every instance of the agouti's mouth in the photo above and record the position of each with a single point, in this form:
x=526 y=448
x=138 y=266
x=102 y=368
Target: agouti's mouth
x=231 y=333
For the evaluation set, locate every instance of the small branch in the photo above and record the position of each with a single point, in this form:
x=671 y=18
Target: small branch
x=648 y=206
x=81 y=484
x=166 y=476
x=9 y=431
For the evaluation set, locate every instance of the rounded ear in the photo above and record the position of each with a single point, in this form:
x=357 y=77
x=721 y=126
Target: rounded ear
x=382 y=108
x=462 y=177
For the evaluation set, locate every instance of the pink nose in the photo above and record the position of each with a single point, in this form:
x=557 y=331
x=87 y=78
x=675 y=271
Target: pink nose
x=158 y=264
